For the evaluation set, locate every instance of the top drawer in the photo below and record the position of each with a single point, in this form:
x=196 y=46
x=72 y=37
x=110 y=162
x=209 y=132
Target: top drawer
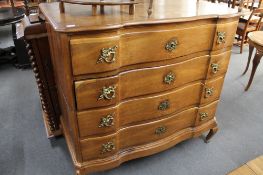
x=106 y=52
x=225 y=35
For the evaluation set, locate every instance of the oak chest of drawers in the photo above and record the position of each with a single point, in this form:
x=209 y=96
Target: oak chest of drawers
x=134 y=85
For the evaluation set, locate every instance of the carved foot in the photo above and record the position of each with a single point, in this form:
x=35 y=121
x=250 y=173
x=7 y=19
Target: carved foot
x=211 y=133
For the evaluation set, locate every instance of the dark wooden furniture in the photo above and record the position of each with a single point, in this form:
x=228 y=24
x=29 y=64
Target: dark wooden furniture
x=134 y=85
x=255 y=40
x=245 y=26
x=39 y=52
x=10 y=16
x=11 y=3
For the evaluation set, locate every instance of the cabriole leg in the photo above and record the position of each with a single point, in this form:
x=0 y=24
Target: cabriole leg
x=256 y=61
x=251 y=49
x=211 y=133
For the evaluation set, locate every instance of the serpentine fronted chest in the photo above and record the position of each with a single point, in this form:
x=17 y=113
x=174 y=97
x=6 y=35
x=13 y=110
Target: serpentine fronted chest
x=132 y=85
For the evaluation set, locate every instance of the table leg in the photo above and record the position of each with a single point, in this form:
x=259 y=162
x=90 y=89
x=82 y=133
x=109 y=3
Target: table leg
x=251 y=49
x=256 y=61
x=233 y=3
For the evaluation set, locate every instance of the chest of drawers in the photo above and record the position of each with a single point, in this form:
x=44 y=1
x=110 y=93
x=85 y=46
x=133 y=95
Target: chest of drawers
x=134 y=85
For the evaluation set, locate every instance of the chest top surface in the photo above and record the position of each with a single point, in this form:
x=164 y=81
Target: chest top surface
x=79 y=17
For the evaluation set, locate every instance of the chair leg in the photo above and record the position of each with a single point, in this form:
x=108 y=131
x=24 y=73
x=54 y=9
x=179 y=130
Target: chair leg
x=251 y=49
x=256 y=61
x=241 y=45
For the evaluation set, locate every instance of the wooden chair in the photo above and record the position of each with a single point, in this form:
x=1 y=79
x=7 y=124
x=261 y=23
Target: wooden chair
x=255 y=40
x=251 y=24
x=11 y=3
x=249 y=4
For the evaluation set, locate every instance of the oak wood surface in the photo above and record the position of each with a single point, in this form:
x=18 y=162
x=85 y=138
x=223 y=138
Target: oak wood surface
x=243 y=170
x=210 y=109
x=135 y=111
x=79 y=18
x=127 y=137
x=253 y=167
x=142 y=42
x=134 y=83
x=64 y=81
x=256 y=165
x=222 y=60
x=137 y=151
x=76 y=40
x=216 y=86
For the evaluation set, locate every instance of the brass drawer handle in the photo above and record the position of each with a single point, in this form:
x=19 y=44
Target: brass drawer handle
x=209 y=92
x=107 y=147
x=221 y=37
x=164 y=105
x=108 y=55
x=169 y=78
x=203 y=116
x=107 y=93
x=171 y=45
x=107 y=121
x=215 y=67
x=160 y=130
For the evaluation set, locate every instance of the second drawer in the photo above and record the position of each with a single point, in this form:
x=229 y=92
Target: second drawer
x=109 y=91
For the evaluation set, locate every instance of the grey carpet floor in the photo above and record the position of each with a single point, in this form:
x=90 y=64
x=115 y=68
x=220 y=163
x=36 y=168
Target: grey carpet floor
x=25 y=150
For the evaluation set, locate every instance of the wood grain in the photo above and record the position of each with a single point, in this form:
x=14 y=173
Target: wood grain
x=139 y=110
x=143 y=150
x=86 y=51
x=215 y=84
x=243 y=170
x=142 y=62
x=222 y=60
x=256 y=165
x=79 y=18
x=253 y=167
x=139 y=82
x=127 y=137
x=229 y=34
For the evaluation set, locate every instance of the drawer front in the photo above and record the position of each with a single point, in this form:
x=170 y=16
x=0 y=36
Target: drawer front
x=224 y=35
x=91 y=55
x=212 y=90
x=102 y=121
x=94 y=55
x=218 y=64
x=206 y=113
x=96 y=148
x=139 y=82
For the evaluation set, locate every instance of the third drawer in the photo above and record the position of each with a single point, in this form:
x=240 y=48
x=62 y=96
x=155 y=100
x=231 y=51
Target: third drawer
x=107 y=120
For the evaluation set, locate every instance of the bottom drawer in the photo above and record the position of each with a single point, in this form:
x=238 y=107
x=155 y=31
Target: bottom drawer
x=100 y=147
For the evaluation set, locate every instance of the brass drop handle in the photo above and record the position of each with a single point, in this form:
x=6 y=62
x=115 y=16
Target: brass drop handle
x=221 y=37
x=107 y=121
x=164 y=105
x=108 y=55
x=215 y=67
x=171 y=45
x=209 y=92
x=160 y=130
x=169 y=78
x=203 y=116
x=107 y=93
x=107 y=147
